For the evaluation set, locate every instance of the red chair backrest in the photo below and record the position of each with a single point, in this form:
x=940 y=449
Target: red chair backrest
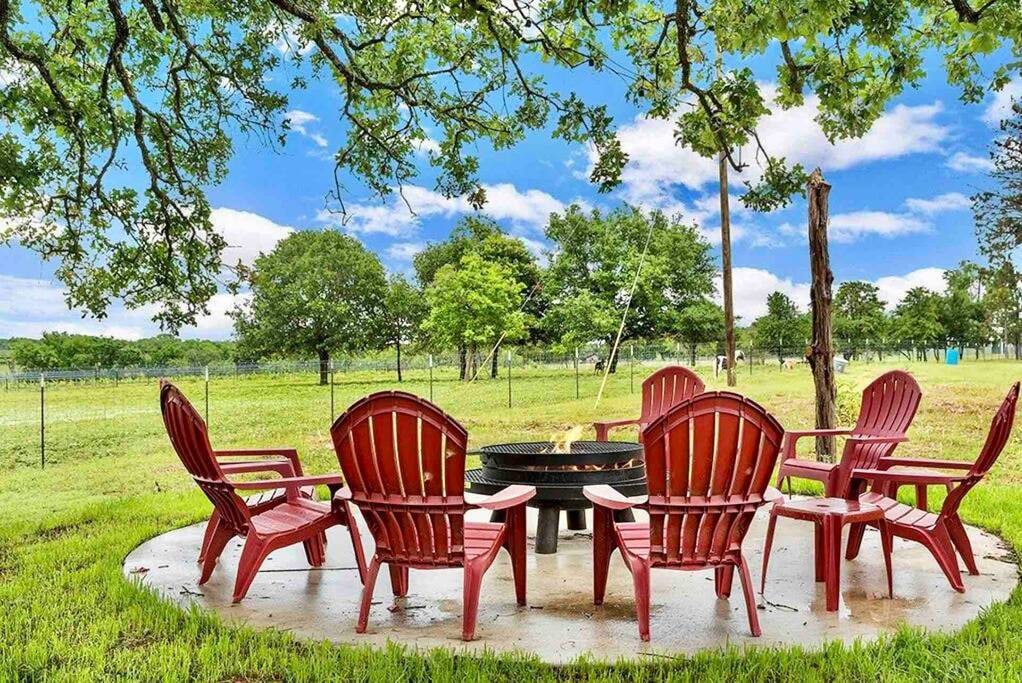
x=888 y=406
x=188 y=435
x=997 y=438
x=666 y=388
x=404 y=461
x=708 y=464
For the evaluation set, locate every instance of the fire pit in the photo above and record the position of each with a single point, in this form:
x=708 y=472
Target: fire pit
x=559 y=477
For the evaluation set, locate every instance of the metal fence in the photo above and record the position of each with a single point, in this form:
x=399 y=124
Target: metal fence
x=54 y=415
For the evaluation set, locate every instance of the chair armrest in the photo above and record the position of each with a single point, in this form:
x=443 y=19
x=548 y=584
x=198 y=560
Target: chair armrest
x=867 y=438
x=906 y=478
x=607 y=496
x=926 y=462
x=289 y=453
x=791 y=436
x=603 y=428
x=281 y=467
x=289 y=482
x=507 y=497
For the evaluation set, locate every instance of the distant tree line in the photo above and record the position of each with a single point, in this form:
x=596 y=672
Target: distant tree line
x=60 y=350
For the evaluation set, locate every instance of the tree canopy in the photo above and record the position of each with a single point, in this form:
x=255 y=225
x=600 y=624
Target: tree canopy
x=316 y=293
x=859 y=316
x=783 y=328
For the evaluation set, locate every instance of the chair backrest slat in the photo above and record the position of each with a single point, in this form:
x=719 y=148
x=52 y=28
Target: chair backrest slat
x=190 y=439
x=708 y=463
x=404 y=461
x=666 y=388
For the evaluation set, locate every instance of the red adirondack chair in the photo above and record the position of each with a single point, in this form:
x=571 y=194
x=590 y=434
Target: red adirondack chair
x=708 y=463
x=941 y=533
x=404 y=463
x=661 y=391
x=888 y=405
x=271 y=523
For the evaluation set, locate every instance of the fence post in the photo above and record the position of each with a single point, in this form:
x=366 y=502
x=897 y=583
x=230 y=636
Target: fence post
x=577 y=396
x=42 y=420
x=431 y=377
x=206 y=376
x=509 y=378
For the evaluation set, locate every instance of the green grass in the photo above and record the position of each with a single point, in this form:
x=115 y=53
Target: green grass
x=112 y=482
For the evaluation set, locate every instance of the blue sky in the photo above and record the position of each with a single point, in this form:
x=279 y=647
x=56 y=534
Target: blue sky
x=899 y=204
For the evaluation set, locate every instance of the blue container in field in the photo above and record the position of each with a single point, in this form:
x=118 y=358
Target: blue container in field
x=951 y=357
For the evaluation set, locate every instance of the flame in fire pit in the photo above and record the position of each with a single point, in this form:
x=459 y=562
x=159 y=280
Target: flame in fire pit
x=561 y=443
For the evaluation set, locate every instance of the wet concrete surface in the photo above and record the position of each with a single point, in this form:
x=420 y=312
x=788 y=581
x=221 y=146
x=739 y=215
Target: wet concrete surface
x=560 y=622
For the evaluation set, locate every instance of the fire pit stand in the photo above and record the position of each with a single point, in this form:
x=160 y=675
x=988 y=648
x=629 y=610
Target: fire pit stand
x=559 y=478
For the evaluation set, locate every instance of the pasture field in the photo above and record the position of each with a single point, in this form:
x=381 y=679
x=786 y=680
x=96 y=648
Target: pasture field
x=112 y=481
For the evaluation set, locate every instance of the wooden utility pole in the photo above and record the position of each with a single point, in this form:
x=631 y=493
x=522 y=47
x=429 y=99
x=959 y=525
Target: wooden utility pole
x=821 y=351
x=725 y=261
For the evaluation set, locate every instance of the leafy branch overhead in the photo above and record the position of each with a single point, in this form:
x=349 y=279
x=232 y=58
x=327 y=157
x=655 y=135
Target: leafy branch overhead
x=94 y=90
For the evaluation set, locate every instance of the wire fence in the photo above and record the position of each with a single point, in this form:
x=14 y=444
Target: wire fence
x=51 y=416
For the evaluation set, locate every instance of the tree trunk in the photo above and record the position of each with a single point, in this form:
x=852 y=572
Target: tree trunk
x=725 y=265
x=495 y=362
x=471 y=363
x=324 y=367
x=397 y=345
x=462 y=362
x=692 y=353
x=614 y=353
x=821 y=354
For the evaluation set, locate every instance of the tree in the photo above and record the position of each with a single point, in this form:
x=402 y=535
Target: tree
x=1002 y=303
x=699 y=323
x=482 y=236
x=916 y=320
x=998 y=212
x=960 y=310
x=404 y=310
x=471 y=304
x=596 y=256
x=783 y=326
x=859 y=316
x=317 y=293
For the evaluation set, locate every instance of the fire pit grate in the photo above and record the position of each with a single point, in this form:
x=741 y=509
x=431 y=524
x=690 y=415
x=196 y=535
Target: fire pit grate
x=559 y=477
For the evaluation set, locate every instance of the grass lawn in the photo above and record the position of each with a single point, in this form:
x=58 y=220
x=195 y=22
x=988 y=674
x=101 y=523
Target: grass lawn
x=112 y=481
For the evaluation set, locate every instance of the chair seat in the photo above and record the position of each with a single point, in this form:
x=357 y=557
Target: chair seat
x=808 y=466
x=264 y=497
x=899 y=513
x=634 y=537
x=290 y=516
x=480 y=537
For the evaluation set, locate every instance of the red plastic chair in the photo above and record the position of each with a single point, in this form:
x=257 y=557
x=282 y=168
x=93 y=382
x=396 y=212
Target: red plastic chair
x=941 y=533
x=661 y=391
x=267 y=525
x=888 y=405
x=708 y=463
x=404 y=463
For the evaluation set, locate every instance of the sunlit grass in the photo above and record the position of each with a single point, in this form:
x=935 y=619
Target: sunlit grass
x=112 y=481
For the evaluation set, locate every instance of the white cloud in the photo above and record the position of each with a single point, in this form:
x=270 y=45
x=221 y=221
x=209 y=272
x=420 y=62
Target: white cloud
x=950 y=201
x=31 y=306
x=893 y=287
x=528 y=209
x=849 y=227
x=751 y=287
x=999 y=107
x=248 y=234
x=404 y=251
x=967 y=163
x=300 y=121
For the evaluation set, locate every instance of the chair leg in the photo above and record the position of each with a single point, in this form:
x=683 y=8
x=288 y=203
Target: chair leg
x=315 y=552
x=855 y=533
x=211 y=529
x=939 y=544
x=819 y=553
x=356 y=543
x=470 y=600
x=832 y=560
x=640 y=584
x=921 y=497
x=750 y=598
x=887 y=543
x=766 y=550
x=514 y=543
x=960 y=539
x=603 y=547
x=252 y=556
x=367 y=594
x=722 y=577
x=212 y=551
x=398 y=580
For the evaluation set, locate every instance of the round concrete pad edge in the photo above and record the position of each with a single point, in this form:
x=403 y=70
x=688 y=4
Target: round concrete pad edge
x=560 y=623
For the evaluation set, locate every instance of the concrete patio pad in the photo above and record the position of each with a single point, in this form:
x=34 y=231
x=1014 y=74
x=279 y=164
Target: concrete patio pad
x=561 y=622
